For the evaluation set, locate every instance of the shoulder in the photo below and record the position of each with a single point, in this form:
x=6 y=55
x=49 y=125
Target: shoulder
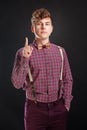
x=57 y=46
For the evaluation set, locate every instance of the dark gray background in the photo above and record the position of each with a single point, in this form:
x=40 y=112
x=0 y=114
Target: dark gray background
x=70 y=26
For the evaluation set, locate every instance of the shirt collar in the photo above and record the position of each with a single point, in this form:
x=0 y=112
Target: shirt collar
x=35 y=44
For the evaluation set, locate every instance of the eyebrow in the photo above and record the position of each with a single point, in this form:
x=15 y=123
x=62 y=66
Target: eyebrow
x=45 y=22
x=48 y=22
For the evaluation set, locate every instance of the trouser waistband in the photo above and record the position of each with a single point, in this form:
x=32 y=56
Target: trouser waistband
x=42 y=104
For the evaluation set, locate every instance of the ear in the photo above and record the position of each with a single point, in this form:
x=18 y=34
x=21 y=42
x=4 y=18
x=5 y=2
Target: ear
x=32 y=28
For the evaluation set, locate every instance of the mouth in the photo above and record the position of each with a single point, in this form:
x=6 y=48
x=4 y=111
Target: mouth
x=43 y=32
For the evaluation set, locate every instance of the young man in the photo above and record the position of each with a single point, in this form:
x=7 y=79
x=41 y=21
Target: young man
x=37 y=70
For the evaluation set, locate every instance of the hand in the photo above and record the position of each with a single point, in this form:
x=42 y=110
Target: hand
x=67 y=108
x=27 y=50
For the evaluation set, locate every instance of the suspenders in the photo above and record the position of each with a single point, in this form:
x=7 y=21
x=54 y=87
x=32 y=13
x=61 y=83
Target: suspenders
x=31 y=84
x=61 y=53
x=61 y=73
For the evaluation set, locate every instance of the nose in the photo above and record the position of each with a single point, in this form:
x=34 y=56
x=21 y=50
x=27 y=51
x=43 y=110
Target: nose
x=43 y=26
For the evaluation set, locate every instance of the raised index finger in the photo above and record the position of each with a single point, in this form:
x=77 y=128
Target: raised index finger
x=26 y=41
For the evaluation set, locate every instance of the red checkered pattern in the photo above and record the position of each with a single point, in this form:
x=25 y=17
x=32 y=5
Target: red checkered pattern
x=45 y=66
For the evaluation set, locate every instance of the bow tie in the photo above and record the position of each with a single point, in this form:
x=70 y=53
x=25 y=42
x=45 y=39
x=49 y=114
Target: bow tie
x=43 y=46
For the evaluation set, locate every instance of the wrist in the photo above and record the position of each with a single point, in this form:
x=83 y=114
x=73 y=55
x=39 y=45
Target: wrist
x=67 y=108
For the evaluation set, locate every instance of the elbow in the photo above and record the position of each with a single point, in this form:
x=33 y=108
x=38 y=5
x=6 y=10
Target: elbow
x=15 y=83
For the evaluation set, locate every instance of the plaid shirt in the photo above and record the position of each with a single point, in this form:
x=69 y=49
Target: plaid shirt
x=45 y=66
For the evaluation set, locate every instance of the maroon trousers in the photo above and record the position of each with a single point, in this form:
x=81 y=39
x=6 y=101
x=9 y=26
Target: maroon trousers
x=45 y=116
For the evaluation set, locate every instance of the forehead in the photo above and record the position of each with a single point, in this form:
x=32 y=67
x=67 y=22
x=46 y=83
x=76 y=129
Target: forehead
x=44 y=20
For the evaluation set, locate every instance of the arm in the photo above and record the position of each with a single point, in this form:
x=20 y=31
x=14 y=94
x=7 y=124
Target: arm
x=20 y=70
x=67 y=82
x=20 y=78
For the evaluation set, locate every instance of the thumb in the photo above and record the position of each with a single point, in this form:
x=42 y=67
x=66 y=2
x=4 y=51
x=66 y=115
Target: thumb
x=26 y=41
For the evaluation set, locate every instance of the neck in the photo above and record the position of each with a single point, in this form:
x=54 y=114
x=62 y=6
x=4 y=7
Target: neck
x=43 y=42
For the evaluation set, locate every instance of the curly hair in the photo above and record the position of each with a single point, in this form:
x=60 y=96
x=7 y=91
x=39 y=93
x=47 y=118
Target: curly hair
x=40 y=14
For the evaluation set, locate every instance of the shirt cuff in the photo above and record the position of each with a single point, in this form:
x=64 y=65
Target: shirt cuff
x=68 y=102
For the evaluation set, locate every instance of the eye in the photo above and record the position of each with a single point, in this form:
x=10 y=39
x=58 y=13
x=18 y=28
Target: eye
x=38 y=23
x=47 y=23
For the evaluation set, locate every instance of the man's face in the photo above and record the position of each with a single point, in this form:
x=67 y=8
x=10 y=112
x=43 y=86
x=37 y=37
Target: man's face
x=42 y=28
